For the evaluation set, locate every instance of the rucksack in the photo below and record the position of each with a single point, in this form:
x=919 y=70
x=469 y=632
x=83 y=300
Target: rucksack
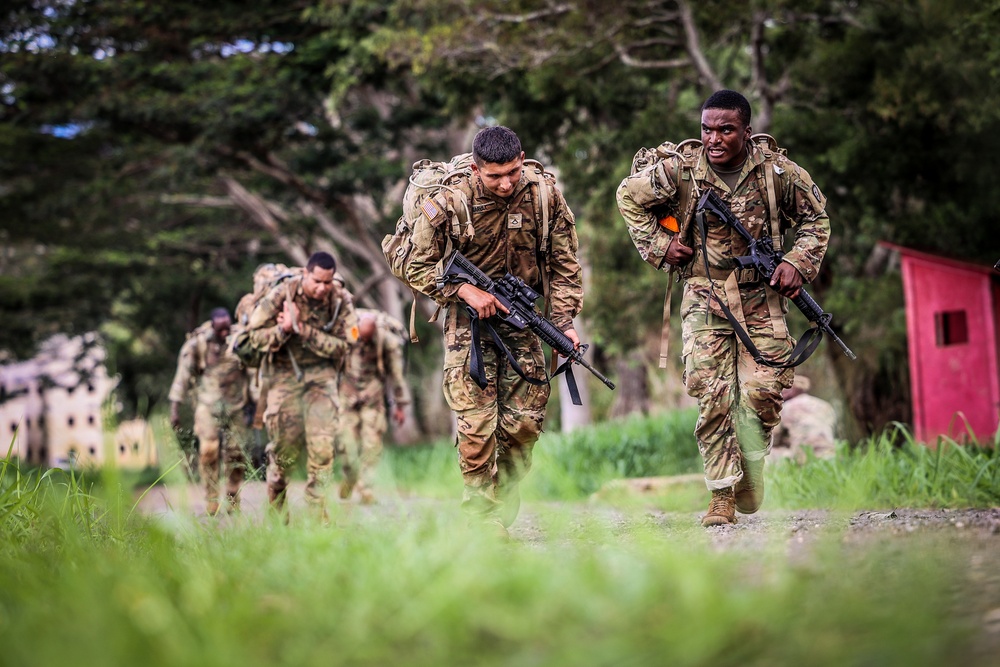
x=679 y=219
x=266 y=277
x=431 y=179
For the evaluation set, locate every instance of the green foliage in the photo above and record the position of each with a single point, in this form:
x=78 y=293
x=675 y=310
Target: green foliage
x=421 y=589
x=892 y=470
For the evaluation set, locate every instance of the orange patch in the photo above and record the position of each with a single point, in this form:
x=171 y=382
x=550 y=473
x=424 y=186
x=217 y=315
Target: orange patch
x=670 y=224
x=355 y=333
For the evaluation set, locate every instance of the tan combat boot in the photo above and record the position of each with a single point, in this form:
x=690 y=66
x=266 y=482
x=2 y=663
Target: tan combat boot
x=750 y=489
x=721 y=509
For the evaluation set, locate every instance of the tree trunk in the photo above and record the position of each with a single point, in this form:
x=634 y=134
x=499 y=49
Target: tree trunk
x=632 y=394
x=574 y=416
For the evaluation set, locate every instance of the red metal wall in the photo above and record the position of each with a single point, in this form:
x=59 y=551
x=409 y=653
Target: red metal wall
x=952 y=316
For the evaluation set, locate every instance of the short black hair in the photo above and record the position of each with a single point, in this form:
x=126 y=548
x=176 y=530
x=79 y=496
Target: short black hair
x=323 y=260
x=730 y=100
x=219 y=313
x=496 y=145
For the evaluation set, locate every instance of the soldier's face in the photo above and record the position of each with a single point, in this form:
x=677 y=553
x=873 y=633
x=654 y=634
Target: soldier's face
x=500 y=179
x=221 y=326
x=366 y=328
x=725 y=137
x=318 y=283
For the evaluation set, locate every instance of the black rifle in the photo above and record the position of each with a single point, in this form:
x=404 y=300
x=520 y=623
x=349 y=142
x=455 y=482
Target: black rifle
x=519 y=300
x=765 y=259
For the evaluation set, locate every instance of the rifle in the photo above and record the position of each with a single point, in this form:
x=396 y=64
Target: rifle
x=765 y=259
x=519 y=300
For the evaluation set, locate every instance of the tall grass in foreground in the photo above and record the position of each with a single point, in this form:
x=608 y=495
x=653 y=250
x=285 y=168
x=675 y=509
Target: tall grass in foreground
x=891 y=470
x=418 y=588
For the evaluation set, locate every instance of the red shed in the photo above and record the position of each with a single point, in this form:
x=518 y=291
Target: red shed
x=953 y=328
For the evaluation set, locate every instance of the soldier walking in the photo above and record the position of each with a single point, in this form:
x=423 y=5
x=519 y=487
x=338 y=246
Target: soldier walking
x=306 y=326
x=519 y=223
x=207 y=366
x=374 y=366
x=739 y=400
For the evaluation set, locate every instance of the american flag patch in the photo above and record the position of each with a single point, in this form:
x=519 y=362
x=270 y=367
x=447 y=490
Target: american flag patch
x=430 y=209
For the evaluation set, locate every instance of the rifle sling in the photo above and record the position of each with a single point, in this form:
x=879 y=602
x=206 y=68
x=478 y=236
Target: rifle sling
x=806 y=345
x=477 y=369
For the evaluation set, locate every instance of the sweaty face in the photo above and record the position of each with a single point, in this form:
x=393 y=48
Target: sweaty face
x=725 y=137
x=318 y=283
x=500 y=179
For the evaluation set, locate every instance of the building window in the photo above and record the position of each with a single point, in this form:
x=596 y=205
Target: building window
x=951 y=328
x=41 y=420
x=90 y=419
x=70 y=420
x=93 y=452
x=13 y=428
x=27 y=422
x=43 y=454
x=90 y=389
x=121 y=449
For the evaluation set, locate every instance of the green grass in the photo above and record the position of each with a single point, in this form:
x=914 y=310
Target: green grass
x=87 y=580
x=891 y=470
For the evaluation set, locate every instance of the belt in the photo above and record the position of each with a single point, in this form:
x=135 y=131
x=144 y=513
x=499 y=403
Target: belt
x=748 y=276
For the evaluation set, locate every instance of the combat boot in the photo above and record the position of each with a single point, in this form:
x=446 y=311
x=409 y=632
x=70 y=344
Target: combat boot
x=721 y=509
x=750 y=489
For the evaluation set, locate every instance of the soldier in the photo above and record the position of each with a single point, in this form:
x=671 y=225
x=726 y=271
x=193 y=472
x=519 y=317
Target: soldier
x=498 y=425
x=376 y=360
x=263 y=277
x=807 y=423
x=306 y=325
x=207 y=361
x=739 y=400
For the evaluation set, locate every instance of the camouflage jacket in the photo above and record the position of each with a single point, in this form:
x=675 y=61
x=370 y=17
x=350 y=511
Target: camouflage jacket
x=208 y=365
x=506 y=238
x=800 y=205
x=370 y=365
x=328 y=328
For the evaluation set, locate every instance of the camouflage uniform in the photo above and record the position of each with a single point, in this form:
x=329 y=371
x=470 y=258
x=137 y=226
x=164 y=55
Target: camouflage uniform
x=739 y=401
x=220 y=382
x=370 y=365
x=301 y=374
x=498 y=425
x=807 y=423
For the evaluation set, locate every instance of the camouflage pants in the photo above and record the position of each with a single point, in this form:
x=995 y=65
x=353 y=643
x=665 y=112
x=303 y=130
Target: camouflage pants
x=222 y=434
x=739 y=401
x=499 y=425
x=359 y=437
x=301 y=413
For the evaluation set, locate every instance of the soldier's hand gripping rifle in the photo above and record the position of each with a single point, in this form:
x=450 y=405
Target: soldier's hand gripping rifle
x=519 y=300
x=765 y=259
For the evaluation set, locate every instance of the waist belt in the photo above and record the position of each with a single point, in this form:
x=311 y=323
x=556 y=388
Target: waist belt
x=748 y=276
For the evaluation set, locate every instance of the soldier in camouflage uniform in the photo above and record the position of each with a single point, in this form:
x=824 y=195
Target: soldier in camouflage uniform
x=807 y=424
x=207 y=364
x=498 y=425
x=376 y=360
x=739 y=400
x=306 y=325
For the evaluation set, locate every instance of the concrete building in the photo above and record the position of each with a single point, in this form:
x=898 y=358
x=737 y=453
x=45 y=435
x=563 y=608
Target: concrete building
x=52 y=409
